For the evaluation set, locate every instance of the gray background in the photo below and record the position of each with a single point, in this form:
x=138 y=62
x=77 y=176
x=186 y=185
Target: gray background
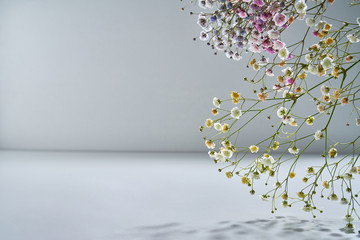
x=113 y=75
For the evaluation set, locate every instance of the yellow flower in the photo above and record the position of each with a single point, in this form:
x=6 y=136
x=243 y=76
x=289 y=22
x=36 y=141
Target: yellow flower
x=329 y=41
x=225 y=127
x=252 y=62
x=301 y=194
x=292 y=174
x=229 y=174
x=302 y=76
x=208 y=122
x=325 y=184
x=214 y=111
x=275 y=145
x=310 y=121
x=245 y=180
x=254 y=149
x=332 y=152
x=235 y=95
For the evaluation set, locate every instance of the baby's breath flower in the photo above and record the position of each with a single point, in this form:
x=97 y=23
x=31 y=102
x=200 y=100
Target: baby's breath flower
x=293 y=123
x=254 y=149
x=236 y=113
x=284 y=203
x=263 y=197
x=267 y=160
x=218 y=126
x=357 y=121
x=321 y=108
x=325 y=90
x=344 y=201
x=348 y=176
x=293 y=150
x=292 y=175
x=225 y=127
x=332 y=152
x=229 y=174
x=214 y=111
x=208 y=122
x=227 y=153
x=300 y=194
x=325 y=184
x=306 y=208
x=318 y=135
x=216 y=102
x=255 y=175
x=300 y=6
x=235 y=95
x=334 y=197
x=283 y=53
x=210 y=144
x=327 y=63
x=275 y=145
x=305 y=179
x=348 y=218
x=262 y=96
x=281 y=112
x=352 y=38
x=245 y=180
x=310 y=120
x=310 y=170
x=310 y=22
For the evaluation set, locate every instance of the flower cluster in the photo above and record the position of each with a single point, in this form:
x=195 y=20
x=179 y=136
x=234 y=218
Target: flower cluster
x=332 y=59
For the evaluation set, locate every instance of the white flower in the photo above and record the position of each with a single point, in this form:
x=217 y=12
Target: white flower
x=283 y=53
x=211 y=154
x=217 y=126
x=288 y=73
x=327 y=63
x=229 y=54
x=254 y=175
x=263 y=197
x=308 y=57
x=204 y=36
x=301 y=6
x=209 y=3
x=293 y=150
x=216 y=102
x=320 y=25
x=237 y=57
x=348 y=218
x=313 y=69
x=306 y=208
x=203 y=21
x=357 y=121
x=281 y=112
x=267 y=160
x=236 y=113
x=324 y=90
x=352 y=38
x=288 y=120
x=273 y=34
x=286 y=93
x=219 y=157
x=358 y=20
x=309 y=22
x=348 y=176
x=318 y=135
x=202 y=4
x=227 y=153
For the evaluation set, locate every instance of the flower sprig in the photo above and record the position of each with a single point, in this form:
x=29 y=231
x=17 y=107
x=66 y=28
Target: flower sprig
x=283 y=78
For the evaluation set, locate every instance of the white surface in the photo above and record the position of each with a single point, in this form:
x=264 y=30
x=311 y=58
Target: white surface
x=88 y=196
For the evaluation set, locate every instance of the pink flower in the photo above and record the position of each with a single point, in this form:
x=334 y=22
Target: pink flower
x=255 y=48
x=269 y=72
x=290 y=81
x=289 y=57
x=266 y=43
x=280 y=19
x=260 y=3
x=315 y=33
x=273 y=34
x=241 y=13
x=278 y=45
x=270 y=50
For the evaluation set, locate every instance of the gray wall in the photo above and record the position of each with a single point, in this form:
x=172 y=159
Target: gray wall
x=110 y=75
